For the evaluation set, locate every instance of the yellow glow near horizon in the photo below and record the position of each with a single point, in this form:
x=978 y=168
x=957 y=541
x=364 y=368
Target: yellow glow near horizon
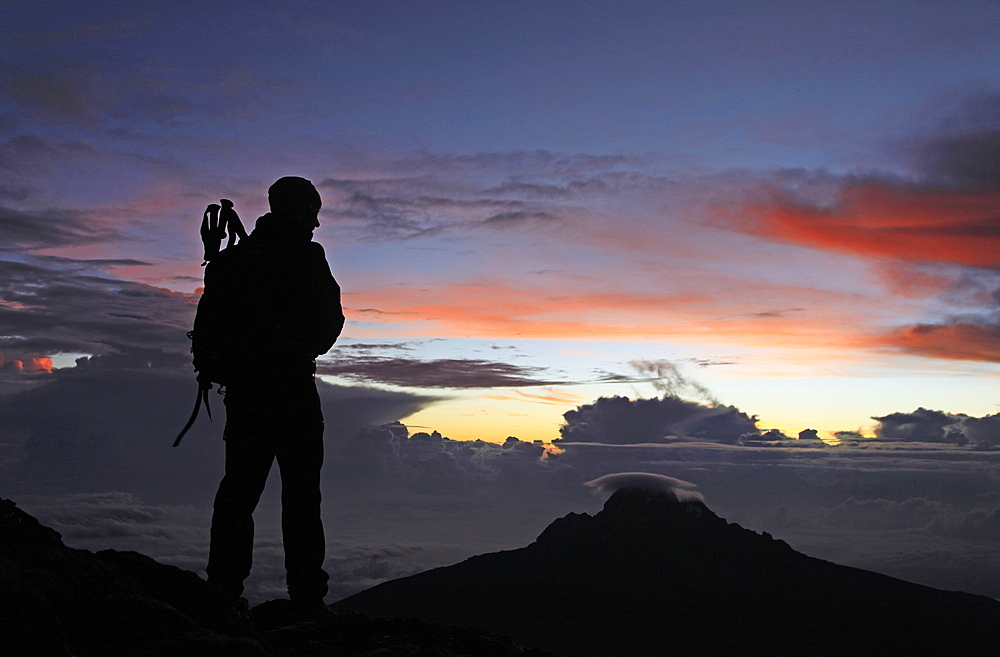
x=489 y=420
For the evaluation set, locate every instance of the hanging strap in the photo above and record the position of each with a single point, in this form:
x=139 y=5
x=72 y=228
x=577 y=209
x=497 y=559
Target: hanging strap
x=202 y=395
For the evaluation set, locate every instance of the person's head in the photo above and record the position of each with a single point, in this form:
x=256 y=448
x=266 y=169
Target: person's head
x=295 y=199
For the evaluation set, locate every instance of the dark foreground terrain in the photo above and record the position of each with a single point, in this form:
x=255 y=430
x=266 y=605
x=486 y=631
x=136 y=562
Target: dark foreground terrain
x=56 y=601
x=648 y=575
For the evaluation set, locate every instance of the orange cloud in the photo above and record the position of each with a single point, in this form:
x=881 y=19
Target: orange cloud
x=952 y=341
x=904 y=221
x=816 y=319
x=43 y=364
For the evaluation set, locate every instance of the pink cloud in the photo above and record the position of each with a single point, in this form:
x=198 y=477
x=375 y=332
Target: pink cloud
x=899 y=220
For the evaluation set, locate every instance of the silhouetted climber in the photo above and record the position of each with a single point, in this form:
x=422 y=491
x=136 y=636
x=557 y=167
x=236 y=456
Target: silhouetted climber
x=269 y=308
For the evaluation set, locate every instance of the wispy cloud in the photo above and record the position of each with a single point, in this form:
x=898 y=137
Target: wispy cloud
x=54 y=228
x=437 y=373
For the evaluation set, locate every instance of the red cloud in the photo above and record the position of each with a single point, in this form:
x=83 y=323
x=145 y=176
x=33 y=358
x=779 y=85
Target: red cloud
x=952 y=341
x=26 y=364
x=898 y=220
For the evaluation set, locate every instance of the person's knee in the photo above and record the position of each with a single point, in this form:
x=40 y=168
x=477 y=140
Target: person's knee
x=238 y=495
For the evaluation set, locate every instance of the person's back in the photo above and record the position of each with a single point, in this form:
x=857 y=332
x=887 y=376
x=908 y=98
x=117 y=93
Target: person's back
x=270 y=305
x=269 y=308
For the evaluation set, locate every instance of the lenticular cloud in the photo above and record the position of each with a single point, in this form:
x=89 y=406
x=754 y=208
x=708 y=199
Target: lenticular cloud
x=682 y=490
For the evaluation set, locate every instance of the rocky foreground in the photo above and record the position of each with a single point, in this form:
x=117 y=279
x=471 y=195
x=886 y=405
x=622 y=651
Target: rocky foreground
x=650 y=575
x=59 y=601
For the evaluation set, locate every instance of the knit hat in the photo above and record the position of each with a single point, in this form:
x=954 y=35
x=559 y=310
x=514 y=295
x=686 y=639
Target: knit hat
x=292 y=195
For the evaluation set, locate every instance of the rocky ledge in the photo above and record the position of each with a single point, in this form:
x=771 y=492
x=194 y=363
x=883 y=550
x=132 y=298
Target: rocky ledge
x=59 y=601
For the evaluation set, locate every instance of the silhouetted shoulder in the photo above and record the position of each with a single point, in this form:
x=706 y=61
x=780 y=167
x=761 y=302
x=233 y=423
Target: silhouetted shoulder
x=316 y=250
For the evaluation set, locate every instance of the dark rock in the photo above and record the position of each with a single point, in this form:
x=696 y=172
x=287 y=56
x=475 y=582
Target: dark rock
x=59 y=601
x=56 y=601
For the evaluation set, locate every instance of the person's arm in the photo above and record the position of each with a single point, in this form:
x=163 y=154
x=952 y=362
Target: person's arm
x=327 y=306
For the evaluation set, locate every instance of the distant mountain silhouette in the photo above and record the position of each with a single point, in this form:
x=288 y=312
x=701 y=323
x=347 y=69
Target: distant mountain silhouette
x=56 y=601
x=651 y=575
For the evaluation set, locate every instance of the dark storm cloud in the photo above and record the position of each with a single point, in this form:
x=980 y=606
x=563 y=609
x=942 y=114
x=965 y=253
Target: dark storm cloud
x=108 y=423
x=924 y=425
x=47 y=311
x=982 y=431
x=619 y=420
x=921 y=425
x=440 y=373
x=391 y=450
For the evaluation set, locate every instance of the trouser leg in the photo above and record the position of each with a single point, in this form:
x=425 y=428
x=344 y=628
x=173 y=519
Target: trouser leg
x=231 y=550
x=300 y=459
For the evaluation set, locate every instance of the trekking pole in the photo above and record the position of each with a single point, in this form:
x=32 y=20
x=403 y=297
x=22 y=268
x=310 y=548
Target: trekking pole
x=212 y=231
x=229 y=219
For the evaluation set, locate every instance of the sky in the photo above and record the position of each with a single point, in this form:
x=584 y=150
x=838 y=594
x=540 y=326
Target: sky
x=636 y=236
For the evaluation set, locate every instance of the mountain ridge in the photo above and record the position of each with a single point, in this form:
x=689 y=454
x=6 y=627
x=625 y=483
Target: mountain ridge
x=662 y=574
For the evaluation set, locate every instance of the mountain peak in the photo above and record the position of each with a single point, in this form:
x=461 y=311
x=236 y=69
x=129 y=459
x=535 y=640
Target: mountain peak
x=656 y=568
x=649 y=517
x=639 y=501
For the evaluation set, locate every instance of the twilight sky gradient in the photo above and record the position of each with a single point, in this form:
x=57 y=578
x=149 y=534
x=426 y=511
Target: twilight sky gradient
x=788 y=210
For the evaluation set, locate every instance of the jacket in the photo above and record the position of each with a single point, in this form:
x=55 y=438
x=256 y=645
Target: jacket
x=269 y=308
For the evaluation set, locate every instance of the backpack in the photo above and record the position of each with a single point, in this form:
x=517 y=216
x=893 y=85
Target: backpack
x=208 y=363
